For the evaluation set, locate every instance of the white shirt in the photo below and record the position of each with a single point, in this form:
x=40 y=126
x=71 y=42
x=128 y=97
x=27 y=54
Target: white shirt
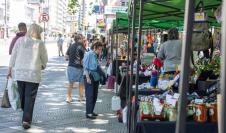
x=28 y=58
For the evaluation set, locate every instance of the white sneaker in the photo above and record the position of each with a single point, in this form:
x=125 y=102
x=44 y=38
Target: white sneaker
x=69 y=100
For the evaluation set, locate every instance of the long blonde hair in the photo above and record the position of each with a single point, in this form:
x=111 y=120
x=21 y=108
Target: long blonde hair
x=34 y=31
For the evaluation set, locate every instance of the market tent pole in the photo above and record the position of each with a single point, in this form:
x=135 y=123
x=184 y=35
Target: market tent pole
x=185 y=66
x=127 y=80
x=132 y=61
x=138 y=64
x=116 y=58
x=223 y=70
x=112 y=36
x=127 y=67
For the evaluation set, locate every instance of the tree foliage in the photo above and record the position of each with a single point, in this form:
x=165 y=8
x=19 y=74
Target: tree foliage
x=72 y=6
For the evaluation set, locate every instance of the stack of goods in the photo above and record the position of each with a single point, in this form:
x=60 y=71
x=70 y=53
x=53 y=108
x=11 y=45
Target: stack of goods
x=164 y=107
x=159 y=107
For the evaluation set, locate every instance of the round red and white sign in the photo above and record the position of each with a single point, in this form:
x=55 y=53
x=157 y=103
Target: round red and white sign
x=44 y=17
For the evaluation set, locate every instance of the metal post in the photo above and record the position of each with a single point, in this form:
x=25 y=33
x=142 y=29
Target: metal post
x=223 y=70
x=132 y=61
x=112 y=41
x=128 y=92
x=138 y=64
x=127 y=67
x=117 y=66
x=83 y=14
x=44 y=32
x=185 y=66
x=6 y=27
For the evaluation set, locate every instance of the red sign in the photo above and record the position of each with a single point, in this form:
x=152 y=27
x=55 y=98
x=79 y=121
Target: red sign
x=44 y=17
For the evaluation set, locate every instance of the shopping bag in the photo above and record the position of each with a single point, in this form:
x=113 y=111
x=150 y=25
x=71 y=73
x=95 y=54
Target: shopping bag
x=111 y=82
x=14 y=97
x=115 y=103
x=124 y=115
x=5 y=99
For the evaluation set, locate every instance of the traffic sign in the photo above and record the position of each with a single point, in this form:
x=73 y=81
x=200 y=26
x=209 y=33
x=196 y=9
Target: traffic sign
x=44 y=17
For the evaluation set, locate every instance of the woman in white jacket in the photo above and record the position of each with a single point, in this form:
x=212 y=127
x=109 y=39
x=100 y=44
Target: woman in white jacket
x=29 y=57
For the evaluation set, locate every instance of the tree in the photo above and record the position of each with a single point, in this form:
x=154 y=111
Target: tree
x=72 y=6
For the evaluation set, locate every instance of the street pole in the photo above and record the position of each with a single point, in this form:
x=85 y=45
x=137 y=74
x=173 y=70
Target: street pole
x=6 y=29
x=44 y=32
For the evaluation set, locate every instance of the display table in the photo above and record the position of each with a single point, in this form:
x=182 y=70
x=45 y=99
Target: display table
x=122 y=88
x=147 y=92
x=169 y=127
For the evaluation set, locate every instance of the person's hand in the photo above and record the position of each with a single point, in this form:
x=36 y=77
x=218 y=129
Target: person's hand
x=9 y=74
x=88 y=80
x=66 y=57
x=43 y=67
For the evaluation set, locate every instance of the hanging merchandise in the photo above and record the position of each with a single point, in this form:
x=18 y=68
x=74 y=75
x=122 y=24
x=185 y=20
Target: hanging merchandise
x=201 y=37
x=218 y=14
x=149 y=39
x=145 y=48
x=217 y=38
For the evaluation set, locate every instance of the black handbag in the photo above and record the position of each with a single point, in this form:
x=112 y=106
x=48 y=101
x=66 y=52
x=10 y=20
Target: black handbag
x=5 y=99
x=102 y=74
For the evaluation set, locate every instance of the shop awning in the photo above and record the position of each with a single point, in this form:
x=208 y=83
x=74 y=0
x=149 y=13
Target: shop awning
x=166 y=13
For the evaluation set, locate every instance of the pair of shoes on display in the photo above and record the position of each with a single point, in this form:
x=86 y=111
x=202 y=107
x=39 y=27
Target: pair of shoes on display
x=69 y=100
x=90 y=116
x=26 y=125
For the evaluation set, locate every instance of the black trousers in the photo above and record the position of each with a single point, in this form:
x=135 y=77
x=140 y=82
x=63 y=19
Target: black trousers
x=28 y=92
x=91 y=92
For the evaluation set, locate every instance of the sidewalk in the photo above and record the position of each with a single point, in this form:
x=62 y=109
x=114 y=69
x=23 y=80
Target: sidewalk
x=53 y=115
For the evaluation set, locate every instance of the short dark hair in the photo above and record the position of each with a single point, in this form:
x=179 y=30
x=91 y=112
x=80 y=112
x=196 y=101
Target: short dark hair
x=77 y=37
x=96 y=45
x=173 y=34
x=21 y=26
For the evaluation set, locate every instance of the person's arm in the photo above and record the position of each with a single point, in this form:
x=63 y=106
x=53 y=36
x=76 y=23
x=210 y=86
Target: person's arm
x=12 y=45
x=81 y=51
x=44 y=55
x=161 y=54
x=13 y=58
x=67 y=53
x=85 y=65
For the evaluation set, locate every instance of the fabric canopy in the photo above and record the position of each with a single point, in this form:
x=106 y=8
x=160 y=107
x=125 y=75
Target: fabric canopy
x=166 y=13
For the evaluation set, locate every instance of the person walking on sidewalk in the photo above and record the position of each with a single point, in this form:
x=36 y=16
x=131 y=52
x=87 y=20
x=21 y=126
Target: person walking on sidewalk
x=75 y=54
x=22 y=31
x=60 y=42
x=29 y=57
x=92 y=78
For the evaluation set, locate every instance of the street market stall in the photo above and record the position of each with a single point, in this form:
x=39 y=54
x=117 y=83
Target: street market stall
x=163 y=12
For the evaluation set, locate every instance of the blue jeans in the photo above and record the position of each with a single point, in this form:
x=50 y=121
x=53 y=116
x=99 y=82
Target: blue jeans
x=91 y=92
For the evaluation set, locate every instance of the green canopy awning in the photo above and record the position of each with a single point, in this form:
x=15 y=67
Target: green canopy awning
x=165 y=13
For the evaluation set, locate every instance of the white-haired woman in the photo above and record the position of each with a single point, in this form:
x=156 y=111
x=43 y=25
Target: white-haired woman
x=29 y=57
